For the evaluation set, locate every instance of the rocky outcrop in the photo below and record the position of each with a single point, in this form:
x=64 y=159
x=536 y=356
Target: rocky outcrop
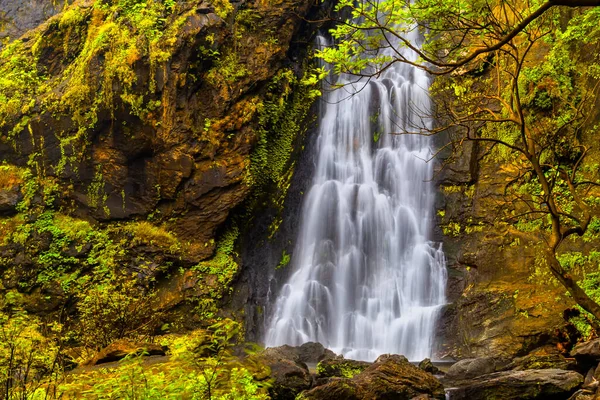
x=122 y=348
x=389 y=377
x=306 y=353
x=497 y=309
x=289 y=375
x=547 y=384
x=289 y=371
x=188 y=159
x=155 y=149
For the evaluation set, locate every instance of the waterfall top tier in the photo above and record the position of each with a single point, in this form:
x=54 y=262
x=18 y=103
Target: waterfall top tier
x=366 y=280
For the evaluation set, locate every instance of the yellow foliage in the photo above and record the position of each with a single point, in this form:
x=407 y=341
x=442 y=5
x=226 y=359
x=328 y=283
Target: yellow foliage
x=10 y=176
x=146 y=233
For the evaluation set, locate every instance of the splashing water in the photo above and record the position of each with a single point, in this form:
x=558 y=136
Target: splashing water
x=366 y=280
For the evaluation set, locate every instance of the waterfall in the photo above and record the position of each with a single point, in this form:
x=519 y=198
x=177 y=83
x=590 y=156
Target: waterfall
x=366 y=280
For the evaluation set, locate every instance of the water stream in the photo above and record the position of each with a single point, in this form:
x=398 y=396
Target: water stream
x=366 y=278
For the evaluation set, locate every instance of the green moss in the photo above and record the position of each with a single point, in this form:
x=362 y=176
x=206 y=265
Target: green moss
x=71 y=17
x=467 y=190
x=282 y=118
x=222 y=8
x=148 y=234
x=285 y=260
x=227 y=70
x=224 y=263
x=586 y=265
x=200 y=365
x=342 y=369
x=109 y=39
x=96 y=195
x=20 y=82
x=451 y=229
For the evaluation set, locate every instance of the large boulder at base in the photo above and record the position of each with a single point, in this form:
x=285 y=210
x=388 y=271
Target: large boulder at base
x=313 y=353
x=473 y=367
x=122 y=348
x=390 y=377
x=542 y=384
x=290 y=376
x=307 y=353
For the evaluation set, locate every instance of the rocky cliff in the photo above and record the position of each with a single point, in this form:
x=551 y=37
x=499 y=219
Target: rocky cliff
x=497 y=306
x=503 y=299
x=136 y=139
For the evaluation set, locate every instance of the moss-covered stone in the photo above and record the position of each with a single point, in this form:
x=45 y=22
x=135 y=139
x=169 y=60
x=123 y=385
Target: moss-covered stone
x=340 y=368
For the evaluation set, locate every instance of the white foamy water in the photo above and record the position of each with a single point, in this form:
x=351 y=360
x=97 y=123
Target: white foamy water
x=366 y=278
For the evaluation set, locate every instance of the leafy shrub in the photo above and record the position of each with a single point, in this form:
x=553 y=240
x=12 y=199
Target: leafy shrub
x=28 y=357
x=113 y=310
x=202 y=366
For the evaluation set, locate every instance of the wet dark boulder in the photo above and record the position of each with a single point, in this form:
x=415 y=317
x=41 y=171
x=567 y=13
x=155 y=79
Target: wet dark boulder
x=314 y=352
x=546 y=384
x=289 y=375
x=307 y=353
x=473 y=367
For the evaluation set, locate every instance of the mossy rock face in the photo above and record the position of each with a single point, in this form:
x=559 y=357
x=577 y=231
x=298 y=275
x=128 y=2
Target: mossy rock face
x=160 y=121
x=128 y=162
x=505 y=302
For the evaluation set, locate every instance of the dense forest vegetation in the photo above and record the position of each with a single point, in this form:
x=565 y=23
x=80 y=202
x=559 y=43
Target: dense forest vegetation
x=140 y=140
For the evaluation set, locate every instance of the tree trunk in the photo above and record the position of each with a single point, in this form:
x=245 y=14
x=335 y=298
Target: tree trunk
x=578 y=294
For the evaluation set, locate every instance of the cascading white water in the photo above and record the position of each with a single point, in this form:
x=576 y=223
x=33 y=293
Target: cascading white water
x=366 y=280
